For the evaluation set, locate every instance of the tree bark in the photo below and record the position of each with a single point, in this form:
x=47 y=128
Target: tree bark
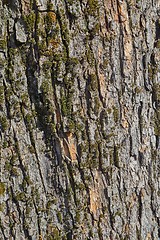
x=80 y=119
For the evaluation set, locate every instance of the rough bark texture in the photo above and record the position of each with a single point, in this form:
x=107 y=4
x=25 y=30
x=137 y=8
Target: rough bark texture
x=80 y=119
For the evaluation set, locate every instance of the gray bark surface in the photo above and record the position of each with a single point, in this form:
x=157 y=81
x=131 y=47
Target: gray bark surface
x=80 y=119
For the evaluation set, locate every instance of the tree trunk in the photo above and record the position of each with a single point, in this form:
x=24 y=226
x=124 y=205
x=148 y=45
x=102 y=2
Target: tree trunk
x=80 y=119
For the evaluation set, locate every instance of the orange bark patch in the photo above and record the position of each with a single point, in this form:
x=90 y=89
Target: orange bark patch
x=52 y=16
x=148 y=237
x=53 y=43
x=94 y=201
x=69 y=147
x=123 y=13
x=72 y=147
x=102 y=85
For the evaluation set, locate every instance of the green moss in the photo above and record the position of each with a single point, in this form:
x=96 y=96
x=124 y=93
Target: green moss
x=59 y=216
x=50 y=203
x=28 y=180
x=30 y=21
x=3 y=44
x=3 y=123
x=97 y=105
x=2 y=188
x=46 y=66
x=66 y=105
x=20 y=197
x=45 y=87
x=115 y=114
x=78 y=217
x=28 y=118
x=14 y=171
x=24 y=98
x=156 y=91
x=92 y=7
x=95 y=29
x=28 y=210
x=100 y=233
x=71 y=62
x=31 y=149
x=9 y=93
x=138 y=90
x=2 y=206
x=93 y=82
x=8 y=166
x=90 y=57
x=109 y=110
x=152 y=70
x=54 y=234
x=154 y=155
x=157 y=123
x=50 y=20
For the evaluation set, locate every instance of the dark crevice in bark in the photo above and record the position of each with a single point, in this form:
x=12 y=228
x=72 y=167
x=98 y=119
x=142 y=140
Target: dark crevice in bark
x=157 y=30
x=120 y=189
x=140 y=119
x=140 y=211
x=140 y=158
x=121 y=53
x=116 y=157
x=131 y=144
x=88 y=97
x=69 y=235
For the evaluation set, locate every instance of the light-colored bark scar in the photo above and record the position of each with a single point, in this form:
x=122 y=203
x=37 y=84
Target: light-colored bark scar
x=94 y=201
x=72 y=147
x=127 y=37
x=69 y=147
